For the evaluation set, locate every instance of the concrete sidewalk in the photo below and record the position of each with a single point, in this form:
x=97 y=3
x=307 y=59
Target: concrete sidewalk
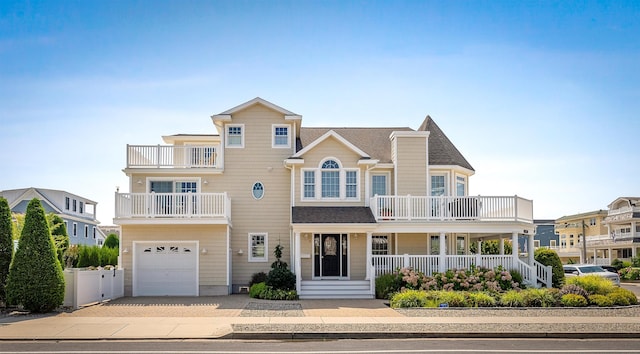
x=240 y=317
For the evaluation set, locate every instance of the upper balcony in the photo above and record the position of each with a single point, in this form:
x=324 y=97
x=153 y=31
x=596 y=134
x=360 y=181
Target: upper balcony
x=144 y=208
x=624 y=210
x=450 y=208
x=172 y=156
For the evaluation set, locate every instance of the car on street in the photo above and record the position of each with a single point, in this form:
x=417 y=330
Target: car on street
x=576 y=270
x=609 y=268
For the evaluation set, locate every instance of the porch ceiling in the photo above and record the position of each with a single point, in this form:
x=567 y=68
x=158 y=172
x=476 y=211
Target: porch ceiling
x=332 y=215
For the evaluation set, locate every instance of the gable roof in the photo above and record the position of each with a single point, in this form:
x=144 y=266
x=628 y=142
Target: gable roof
x=261 y=101
x=373 y=141
x=441 y=149
x=327 y=135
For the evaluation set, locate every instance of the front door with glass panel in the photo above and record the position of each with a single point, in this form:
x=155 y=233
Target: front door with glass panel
x=330 y=255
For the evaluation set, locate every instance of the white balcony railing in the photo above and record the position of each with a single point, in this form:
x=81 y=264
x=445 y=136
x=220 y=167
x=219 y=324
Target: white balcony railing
x=173 y=205
x=624 y=210
x=172 y=156
x=481 y=208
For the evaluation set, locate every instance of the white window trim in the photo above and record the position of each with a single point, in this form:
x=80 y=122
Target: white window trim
x=466 y=187
x=273 y=136
x=226 y=136
x=342 y=173
x=447 y=187
x=553 y=243
x=387 y=176
x=250 y=245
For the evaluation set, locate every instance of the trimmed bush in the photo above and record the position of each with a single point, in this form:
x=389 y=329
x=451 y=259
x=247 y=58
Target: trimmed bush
x=481 y=299
x=35 y=278
x=573 y=300
x=281 y=278
x=6 y=246
x=538 y=297
x=270 y=293
x=112 y=241
x=408 y=298
x=453 y=298
x=617 y=263
x=512 y=298
x=256 y=289
x=623 y=297
x=387 y=285
x=592 y=284
x=600 y=300
x=256 y=278
x=550 y=258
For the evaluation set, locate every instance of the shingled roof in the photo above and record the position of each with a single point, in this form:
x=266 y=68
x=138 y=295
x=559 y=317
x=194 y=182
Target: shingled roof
x=332 y=215
x=376 y=143
x=441 y=149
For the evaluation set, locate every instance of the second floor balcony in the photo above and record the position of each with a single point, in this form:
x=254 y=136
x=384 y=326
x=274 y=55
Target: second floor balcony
x=172 y=156
x=168 y=207
x=451 y=208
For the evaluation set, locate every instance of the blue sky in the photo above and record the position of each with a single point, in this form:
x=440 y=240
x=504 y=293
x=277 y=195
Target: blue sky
x=541 y=97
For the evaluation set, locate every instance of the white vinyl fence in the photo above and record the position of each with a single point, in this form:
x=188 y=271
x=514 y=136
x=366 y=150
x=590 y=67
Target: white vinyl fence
x=84 y=286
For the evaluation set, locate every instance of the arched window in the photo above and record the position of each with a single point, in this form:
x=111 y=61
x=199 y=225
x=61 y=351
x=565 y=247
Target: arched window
x=330 y=179
x=257 y=190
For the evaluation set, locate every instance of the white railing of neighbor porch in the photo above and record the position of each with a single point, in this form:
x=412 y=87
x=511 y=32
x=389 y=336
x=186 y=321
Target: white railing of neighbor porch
x=172 y=205
x=171 y=156
x=425 y=208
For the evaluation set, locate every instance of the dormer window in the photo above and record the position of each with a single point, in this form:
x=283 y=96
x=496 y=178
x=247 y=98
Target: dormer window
x=235 y=135
x=281 y=136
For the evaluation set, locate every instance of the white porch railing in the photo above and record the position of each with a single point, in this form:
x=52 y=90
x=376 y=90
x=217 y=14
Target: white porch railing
x=624 y=210
x=172 y=156
x=173 y=205
x=426 y=208
x=429 y=264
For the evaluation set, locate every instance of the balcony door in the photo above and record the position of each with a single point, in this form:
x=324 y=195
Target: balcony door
x=173 y=198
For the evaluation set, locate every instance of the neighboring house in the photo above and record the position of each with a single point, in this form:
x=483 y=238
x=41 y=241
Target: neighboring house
x=570 y=230
x=110 y=229
x=78 y=213
x=204 y=212
x=623 y=226
x=545 y=236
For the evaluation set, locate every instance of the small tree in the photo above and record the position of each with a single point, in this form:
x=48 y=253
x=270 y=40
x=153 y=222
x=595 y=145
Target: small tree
x=60 y=236
x=35 y=278
x=112 y=241
x=549 y=257
x=6 y=246
x=280 y=277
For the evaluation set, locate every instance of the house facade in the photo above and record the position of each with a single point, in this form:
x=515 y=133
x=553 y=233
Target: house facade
x=78 y=213
x=623 y=231
x=204 y=212
x=570 y=230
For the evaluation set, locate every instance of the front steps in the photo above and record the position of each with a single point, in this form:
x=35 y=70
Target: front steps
x=335 y=289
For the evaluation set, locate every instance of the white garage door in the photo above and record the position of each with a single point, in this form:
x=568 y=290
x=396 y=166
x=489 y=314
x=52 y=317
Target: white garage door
x=166 y=268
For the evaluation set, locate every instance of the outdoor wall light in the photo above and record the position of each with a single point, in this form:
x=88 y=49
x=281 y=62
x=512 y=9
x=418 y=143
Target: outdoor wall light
x=205 y=182
x=240 y=252
x=125 y=251
x=139 y=181
x=204 y=251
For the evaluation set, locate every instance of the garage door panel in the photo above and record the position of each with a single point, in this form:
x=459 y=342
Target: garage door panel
x=166 y=268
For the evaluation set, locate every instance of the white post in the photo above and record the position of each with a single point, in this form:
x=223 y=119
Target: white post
x=501 y=246
x=369 y=262
x=479 y=254
x=442 y=259
x=530 y=249
x=514 y=247
x=298 y=262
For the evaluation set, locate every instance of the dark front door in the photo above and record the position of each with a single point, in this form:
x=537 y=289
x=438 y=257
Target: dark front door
x=331 y=250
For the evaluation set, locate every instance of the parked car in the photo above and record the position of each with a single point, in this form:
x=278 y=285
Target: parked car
x=573 y=270
x=609 y=268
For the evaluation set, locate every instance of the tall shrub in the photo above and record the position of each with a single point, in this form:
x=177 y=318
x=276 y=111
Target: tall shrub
x=35 y=277
x=6 y=246
x=550 y=258
x=60 y=236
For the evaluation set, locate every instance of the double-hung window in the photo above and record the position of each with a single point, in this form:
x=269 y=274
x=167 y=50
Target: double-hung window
x=66 y=203
x=460 y=186
x=379 y=245
x=351 y=184
x=235 y=135
x=281 y=136
x=330 y=179
x=309 y=184
x=257 y=247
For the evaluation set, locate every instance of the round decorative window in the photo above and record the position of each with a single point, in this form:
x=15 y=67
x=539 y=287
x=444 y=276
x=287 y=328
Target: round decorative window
x=257 y=190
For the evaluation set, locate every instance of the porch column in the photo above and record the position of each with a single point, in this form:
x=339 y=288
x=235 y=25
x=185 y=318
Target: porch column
x=442 y=266
x=369 y=259
x=479 y=254
x=595 y=256
x=530 y=249
x=514 y=247
x=501 y=246
x=298 y=263
x=633 y=229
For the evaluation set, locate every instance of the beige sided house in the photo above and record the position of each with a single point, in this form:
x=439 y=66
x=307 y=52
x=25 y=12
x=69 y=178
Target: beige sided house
x=205 y=212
